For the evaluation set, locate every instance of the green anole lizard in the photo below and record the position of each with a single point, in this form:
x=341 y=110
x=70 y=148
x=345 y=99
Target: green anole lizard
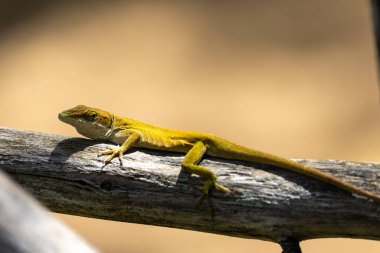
x=101 y=125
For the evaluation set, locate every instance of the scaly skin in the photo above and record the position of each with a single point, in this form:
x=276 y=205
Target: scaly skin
x=101 y=125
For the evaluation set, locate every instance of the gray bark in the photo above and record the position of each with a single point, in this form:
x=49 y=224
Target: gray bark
x=266 y=202
x=26 y=227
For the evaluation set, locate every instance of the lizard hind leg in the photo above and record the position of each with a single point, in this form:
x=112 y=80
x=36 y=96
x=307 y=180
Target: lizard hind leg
x=190 y=163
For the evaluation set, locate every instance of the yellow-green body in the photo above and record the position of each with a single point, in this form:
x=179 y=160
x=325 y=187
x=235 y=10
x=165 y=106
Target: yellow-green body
x=101 y=125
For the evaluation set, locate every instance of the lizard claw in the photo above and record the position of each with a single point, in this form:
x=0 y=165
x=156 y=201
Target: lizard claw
x=208 y=186
x=106 y=152
x=222 y=188
x=210 y=205
x=113 y=152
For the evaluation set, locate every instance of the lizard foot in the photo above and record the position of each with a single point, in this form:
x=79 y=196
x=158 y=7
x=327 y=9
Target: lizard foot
x=210 y=205
x=209 y=184
x=112 y=152
x=222 y=188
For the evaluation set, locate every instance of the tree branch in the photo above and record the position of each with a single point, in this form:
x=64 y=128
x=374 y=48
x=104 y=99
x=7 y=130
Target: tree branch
x=26 y=227
x=266 y=202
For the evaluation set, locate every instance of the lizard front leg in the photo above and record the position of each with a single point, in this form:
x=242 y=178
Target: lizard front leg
x=190 y=163
x=132 y=139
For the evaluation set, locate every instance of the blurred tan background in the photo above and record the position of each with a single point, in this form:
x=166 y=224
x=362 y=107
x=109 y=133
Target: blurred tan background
x=295 y=78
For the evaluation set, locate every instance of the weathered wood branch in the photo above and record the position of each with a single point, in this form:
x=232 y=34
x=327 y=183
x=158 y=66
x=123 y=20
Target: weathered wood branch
x=266 y=202
x=26 y=227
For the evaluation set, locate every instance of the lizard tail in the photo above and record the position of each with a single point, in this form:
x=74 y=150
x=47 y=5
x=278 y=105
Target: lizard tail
x=322 y=176
x=233 y=151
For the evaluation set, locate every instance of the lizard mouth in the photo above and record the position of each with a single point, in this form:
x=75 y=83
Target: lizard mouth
x=63 y=116
x=67 y=117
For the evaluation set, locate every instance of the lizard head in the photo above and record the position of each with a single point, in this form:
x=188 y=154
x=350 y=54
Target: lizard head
x=89 y=122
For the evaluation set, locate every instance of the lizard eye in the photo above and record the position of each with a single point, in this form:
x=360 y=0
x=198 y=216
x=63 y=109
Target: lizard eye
x=92 y=115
